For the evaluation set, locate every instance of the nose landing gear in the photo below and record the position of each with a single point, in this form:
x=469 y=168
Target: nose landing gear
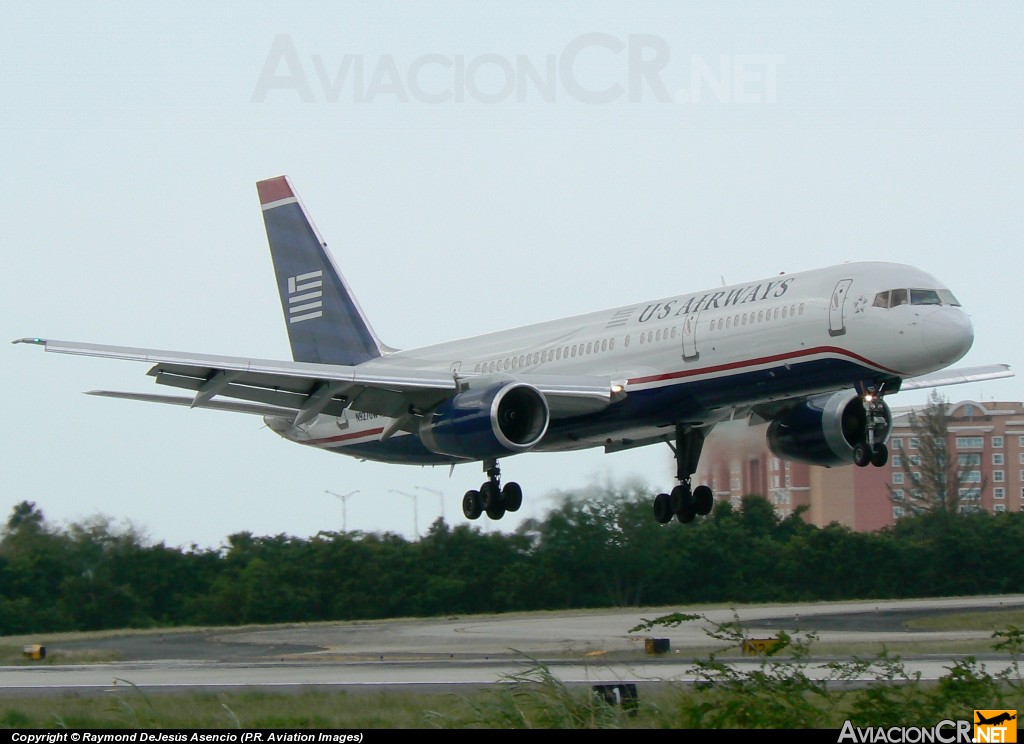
x=877 y=422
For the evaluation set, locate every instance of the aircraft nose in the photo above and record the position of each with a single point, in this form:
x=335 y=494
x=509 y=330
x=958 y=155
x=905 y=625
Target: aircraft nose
x=948 y=334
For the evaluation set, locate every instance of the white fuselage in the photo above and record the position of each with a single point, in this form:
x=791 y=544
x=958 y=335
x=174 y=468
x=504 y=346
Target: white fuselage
x=698 y=356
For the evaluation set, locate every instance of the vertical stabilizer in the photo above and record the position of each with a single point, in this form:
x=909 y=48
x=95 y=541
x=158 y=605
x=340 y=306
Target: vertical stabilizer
x=325 y=323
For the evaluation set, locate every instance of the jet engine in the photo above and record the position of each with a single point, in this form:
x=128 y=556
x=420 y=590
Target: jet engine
x=490 y=422
x=824 y=430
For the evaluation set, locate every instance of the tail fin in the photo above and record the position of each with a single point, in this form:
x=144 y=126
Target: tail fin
x=325 y=323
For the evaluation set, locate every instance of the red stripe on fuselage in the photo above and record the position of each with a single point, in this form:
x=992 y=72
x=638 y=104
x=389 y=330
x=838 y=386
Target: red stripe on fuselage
x=343 y=437
x=758 y=362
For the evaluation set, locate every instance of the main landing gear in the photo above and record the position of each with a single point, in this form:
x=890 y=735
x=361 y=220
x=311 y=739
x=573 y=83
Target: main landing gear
x=872 y=451
x=492 y=498
x=684 y=502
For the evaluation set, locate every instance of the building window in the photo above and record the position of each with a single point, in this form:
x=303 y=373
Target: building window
x=1021 y=457
x=897 y=512
x=966 y=460
x=897 y=461
x=971 y=476
x=914 y=441
x=999 y=493
x=897 y=443
x=969 y=494
x=915 y=460
x=1021 y=441
x=897 y=479
x=999 y=507
x=997 y=458
x=997 y=476
x=997 y=442
x=970 y=442
x=897 y=494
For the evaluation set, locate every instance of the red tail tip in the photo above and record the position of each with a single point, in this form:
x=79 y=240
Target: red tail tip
x=274 y=189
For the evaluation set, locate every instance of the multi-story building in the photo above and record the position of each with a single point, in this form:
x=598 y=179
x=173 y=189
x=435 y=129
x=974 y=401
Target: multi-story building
x=986 y=438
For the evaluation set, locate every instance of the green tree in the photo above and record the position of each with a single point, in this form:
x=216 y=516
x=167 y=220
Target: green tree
x=935 y=482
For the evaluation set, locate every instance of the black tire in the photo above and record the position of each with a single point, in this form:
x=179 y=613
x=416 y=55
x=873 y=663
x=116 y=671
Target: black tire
x=490 y=496
x=662 y=508
x=472 y=506
x=881 y=456
x=681 y=499
x=512 y=496
x=703 y=500
x=496 y=510
x=861 y=455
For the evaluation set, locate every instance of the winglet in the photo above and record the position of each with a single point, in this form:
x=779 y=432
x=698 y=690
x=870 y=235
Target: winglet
x=36 y=341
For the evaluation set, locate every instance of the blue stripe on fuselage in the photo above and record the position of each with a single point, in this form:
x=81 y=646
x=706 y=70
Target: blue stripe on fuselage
x=690 y=400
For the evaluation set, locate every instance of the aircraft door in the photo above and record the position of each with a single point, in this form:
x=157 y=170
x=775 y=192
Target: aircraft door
x=690 y=352
x=836 y=324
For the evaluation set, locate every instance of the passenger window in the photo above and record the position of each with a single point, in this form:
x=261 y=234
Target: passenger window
x=625 y=342
x=590 y=344
x=611 y=344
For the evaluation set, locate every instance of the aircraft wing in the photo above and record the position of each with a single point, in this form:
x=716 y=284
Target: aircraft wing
x=957 y=376
x=307 y=389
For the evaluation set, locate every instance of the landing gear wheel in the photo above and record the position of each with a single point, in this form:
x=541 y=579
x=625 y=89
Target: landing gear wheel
x=496 y=511
x=861 y=455
x=681 y=502
x=881 y=456
x=703 y=500
x=472 y=506
x=662 y=509
x=512 y=496
x=490 y=495
x=681 y=499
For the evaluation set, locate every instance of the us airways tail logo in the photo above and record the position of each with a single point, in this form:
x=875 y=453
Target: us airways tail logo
x=305 y=296
x=995 y=725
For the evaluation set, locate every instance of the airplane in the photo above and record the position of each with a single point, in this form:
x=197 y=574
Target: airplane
x=994 y=720
x=814 y=353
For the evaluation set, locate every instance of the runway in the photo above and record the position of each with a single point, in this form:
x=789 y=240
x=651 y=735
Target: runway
x=576 y=647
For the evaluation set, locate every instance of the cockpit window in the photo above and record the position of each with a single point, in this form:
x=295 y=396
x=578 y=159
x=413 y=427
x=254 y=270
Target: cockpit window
x=924 y=297
x=897 y=297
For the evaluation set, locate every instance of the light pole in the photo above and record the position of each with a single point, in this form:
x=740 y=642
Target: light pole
x=344 y=511
x=440 y=497
x=415 y=509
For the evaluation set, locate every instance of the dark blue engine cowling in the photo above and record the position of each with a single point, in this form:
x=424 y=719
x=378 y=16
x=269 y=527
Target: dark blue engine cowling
x=824 y=429
x=490 y=422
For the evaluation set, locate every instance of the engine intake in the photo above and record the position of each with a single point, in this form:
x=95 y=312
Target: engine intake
x=490 y=422
x=823 y=430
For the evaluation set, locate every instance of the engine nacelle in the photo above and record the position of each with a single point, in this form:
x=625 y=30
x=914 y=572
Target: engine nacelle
x=499 y=420
x=823 y=430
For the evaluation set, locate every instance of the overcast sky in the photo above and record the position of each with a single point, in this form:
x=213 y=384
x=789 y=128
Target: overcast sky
x=474 y=166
